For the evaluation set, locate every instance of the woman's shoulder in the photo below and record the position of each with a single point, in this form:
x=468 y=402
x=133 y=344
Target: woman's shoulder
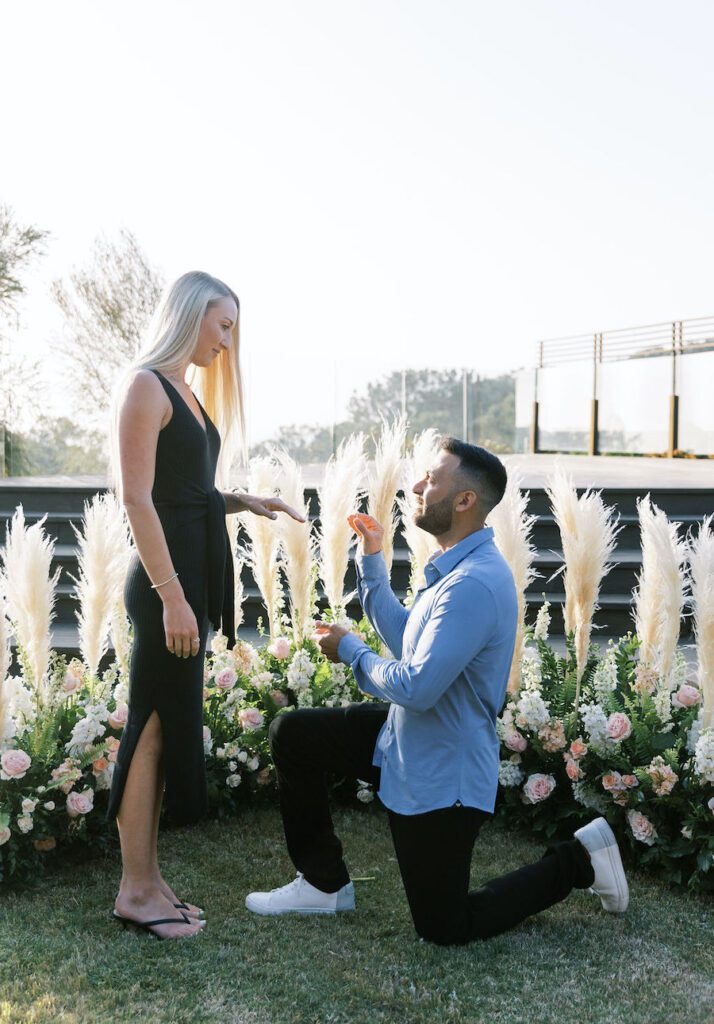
x=144 y=387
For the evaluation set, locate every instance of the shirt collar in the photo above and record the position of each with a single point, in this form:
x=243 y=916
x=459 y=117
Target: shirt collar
x=442 y=563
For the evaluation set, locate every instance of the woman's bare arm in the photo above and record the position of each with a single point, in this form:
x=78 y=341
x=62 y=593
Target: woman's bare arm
x=142 y=414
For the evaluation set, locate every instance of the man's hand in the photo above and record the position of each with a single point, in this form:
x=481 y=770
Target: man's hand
x=370 y=533
x=327 y=636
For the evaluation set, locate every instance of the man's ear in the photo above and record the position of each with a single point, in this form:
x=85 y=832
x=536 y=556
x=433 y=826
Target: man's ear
x=467 y=500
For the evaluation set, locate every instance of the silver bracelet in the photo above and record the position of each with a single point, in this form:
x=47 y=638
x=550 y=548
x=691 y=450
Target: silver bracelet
x=155 y=586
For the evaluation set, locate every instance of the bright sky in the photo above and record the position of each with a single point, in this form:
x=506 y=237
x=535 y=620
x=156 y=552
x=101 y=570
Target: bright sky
x=384 y=183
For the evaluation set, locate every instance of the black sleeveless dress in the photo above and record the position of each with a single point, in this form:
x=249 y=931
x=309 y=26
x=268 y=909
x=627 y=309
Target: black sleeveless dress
x=192 y=513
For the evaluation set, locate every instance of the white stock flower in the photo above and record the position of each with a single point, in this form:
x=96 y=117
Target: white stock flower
x=304 y=699
x=694 y=733
x=532 y=711
x=704 y=756
x=261 y=680
x=28 y=805
x=25 y=823
x=604 y=679
x=531 y=676
x=595 y=725
x=300 y=671
x=542 y=623
x=88 y=730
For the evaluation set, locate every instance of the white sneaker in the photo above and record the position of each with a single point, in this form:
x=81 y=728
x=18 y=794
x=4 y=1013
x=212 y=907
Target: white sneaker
x=299 y=897
x=610 y=883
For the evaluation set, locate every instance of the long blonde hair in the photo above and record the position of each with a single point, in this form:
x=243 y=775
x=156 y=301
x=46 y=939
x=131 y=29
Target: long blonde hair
x=169 y=344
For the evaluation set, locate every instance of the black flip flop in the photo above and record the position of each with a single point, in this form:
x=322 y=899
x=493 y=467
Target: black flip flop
x=184 y=906
x=148 y=926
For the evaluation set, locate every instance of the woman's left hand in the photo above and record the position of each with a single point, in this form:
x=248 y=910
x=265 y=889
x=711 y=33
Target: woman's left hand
x=268 y=507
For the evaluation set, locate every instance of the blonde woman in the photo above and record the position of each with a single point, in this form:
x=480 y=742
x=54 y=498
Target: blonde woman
x=168 y=451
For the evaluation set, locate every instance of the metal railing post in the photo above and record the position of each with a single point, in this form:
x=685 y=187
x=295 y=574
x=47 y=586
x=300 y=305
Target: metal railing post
x=673 y=430
x=535 y=426
x=594 y=438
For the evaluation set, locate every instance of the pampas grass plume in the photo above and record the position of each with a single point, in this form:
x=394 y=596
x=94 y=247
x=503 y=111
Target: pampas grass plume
x=385 y=477
x=297 y=544
x=263 y=551
x=588 y=530
x=31 y=594
x=662 y=585
x=340 y=494
x=421 y=544
x=512 y=529
x=701 y=566
x=102 y=559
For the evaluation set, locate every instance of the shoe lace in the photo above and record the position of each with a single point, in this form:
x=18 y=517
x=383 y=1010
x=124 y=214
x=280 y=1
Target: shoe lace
x=294 y=885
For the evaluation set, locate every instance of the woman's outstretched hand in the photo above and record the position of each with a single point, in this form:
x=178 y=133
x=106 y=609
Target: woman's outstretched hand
x=268 y=507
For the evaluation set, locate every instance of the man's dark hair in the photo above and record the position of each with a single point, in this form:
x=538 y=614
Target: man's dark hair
x=481 y=470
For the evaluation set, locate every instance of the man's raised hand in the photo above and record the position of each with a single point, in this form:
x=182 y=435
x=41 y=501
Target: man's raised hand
x=369 y=531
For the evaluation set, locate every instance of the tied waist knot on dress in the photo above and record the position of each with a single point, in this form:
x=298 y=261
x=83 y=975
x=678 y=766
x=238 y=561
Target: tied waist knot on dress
x=210 y=505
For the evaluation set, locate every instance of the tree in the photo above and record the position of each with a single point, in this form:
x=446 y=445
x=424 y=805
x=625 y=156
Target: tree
x=434 y=398
x=19 y=246
x=106 y=306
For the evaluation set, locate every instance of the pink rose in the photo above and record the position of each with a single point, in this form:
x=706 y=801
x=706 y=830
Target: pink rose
x=630 y=781
x=279 y=698
x=226 y=679
x=573 y=769
x=5 y=834
x=117 y=718
x=80 y=803
x=612 y=782
x=515 y=741
x=71 y=683
x=250 y=718
x=578 y=749
x=619 y=726
x=280 y=648
x=99 y=766
x=686 y=697
x=112 y=746
x=14 y=764
x=538 y=787
x=642 y=828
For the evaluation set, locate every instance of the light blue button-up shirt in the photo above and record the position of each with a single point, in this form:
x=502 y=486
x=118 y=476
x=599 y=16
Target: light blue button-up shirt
x=454 y=649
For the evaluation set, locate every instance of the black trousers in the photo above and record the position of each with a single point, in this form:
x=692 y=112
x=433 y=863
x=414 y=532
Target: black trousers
x=433 y=849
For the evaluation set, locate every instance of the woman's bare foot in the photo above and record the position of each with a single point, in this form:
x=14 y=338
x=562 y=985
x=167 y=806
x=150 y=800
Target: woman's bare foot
x=142 y=905
x=188 y=908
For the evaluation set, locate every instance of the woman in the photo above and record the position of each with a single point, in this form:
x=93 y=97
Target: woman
x=166 y=450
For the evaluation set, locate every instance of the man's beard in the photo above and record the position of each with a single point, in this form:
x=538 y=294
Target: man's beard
x=436 y=519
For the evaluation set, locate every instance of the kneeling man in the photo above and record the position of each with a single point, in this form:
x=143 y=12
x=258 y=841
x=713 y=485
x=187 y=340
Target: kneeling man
x=431 y=747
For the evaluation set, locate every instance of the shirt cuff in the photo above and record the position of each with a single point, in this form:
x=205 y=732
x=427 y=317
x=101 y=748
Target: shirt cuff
x=349 y=647
x=372 y=567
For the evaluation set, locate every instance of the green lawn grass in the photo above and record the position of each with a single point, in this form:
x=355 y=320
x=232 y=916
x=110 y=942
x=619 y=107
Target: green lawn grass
x=62 y=959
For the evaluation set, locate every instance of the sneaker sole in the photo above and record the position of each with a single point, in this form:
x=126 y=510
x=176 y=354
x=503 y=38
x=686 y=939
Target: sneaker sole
x=305 y=911
x=615 y=860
